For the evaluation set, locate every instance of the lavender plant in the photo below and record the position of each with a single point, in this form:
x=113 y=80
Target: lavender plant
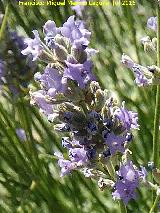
x=97 y=131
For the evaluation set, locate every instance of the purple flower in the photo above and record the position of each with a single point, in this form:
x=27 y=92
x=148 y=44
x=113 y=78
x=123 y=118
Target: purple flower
x=128 y=181
x=142 y=174
x=140 y=80
x=33 y=46
x=81 y=73
x=91 y=52
x=129 y=119
x=152 y=23
x=92 y=128
x=50 y=30
x=127 y=61
x=38 y=98
x=125 y=191
x=52 y=81
x=115 y=143
x=66 y=165
x=91 y=153
x=128 y=172
x=21 y=134
x=76 y=32
x=78 y=155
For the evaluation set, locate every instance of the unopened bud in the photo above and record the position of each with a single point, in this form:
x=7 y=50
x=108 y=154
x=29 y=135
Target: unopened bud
x=127 y=61
x=60 y=52
x=156 y=175
x=79 y=54
x=63 y=41
x=103 y=183
x=47 y=57
x=99 y=99
x=94 y=86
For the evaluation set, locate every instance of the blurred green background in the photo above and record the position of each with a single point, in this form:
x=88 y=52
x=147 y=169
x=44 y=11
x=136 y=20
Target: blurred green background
x=29 y=175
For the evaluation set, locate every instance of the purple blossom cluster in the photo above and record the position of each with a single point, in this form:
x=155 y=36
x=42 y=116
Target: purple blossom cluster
x=128 y=180
x=67 y=56
x=96 y=129
x=99 y=137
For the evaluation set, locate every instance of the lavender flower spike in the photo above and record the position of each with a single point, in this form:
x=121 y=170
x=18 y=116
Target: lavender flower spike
x=33 y=46
x=129 y=119
x=152 y=23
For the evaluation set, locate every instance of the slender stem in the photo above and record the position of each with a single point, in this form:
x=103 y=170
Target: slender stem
x=152 y=210
x=156 y=142
x=122 y=207
x=4 y=23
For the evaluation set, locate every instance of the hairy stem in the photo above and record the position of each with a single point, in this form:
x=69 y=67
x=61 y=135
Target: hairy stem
x=156 y=141
x=4 y=23
x=155 y=204
x=122 y=207
x=157 y=107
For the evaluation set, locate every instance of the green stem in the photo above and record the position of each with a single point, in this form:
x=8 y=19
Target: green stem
x=152 y=210
x=122 y=207
x=4 y=23
x=157 y=107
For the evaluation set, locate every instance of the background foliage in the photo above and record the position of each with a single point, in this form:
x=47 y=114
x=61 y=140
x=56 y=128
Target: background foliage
x=29 y=175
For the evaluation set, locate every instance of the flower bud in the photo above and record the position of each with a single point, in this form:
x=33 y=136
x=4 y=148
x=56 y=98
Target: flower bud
x=127 y=61
x=99 y=99
x=149 y=46
x=156 y=175
x=60 y=52
x=46 y=57
x=79 y=55
x=155 y=70
x=103 y=183
x=63 y=41
x=94 y=86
